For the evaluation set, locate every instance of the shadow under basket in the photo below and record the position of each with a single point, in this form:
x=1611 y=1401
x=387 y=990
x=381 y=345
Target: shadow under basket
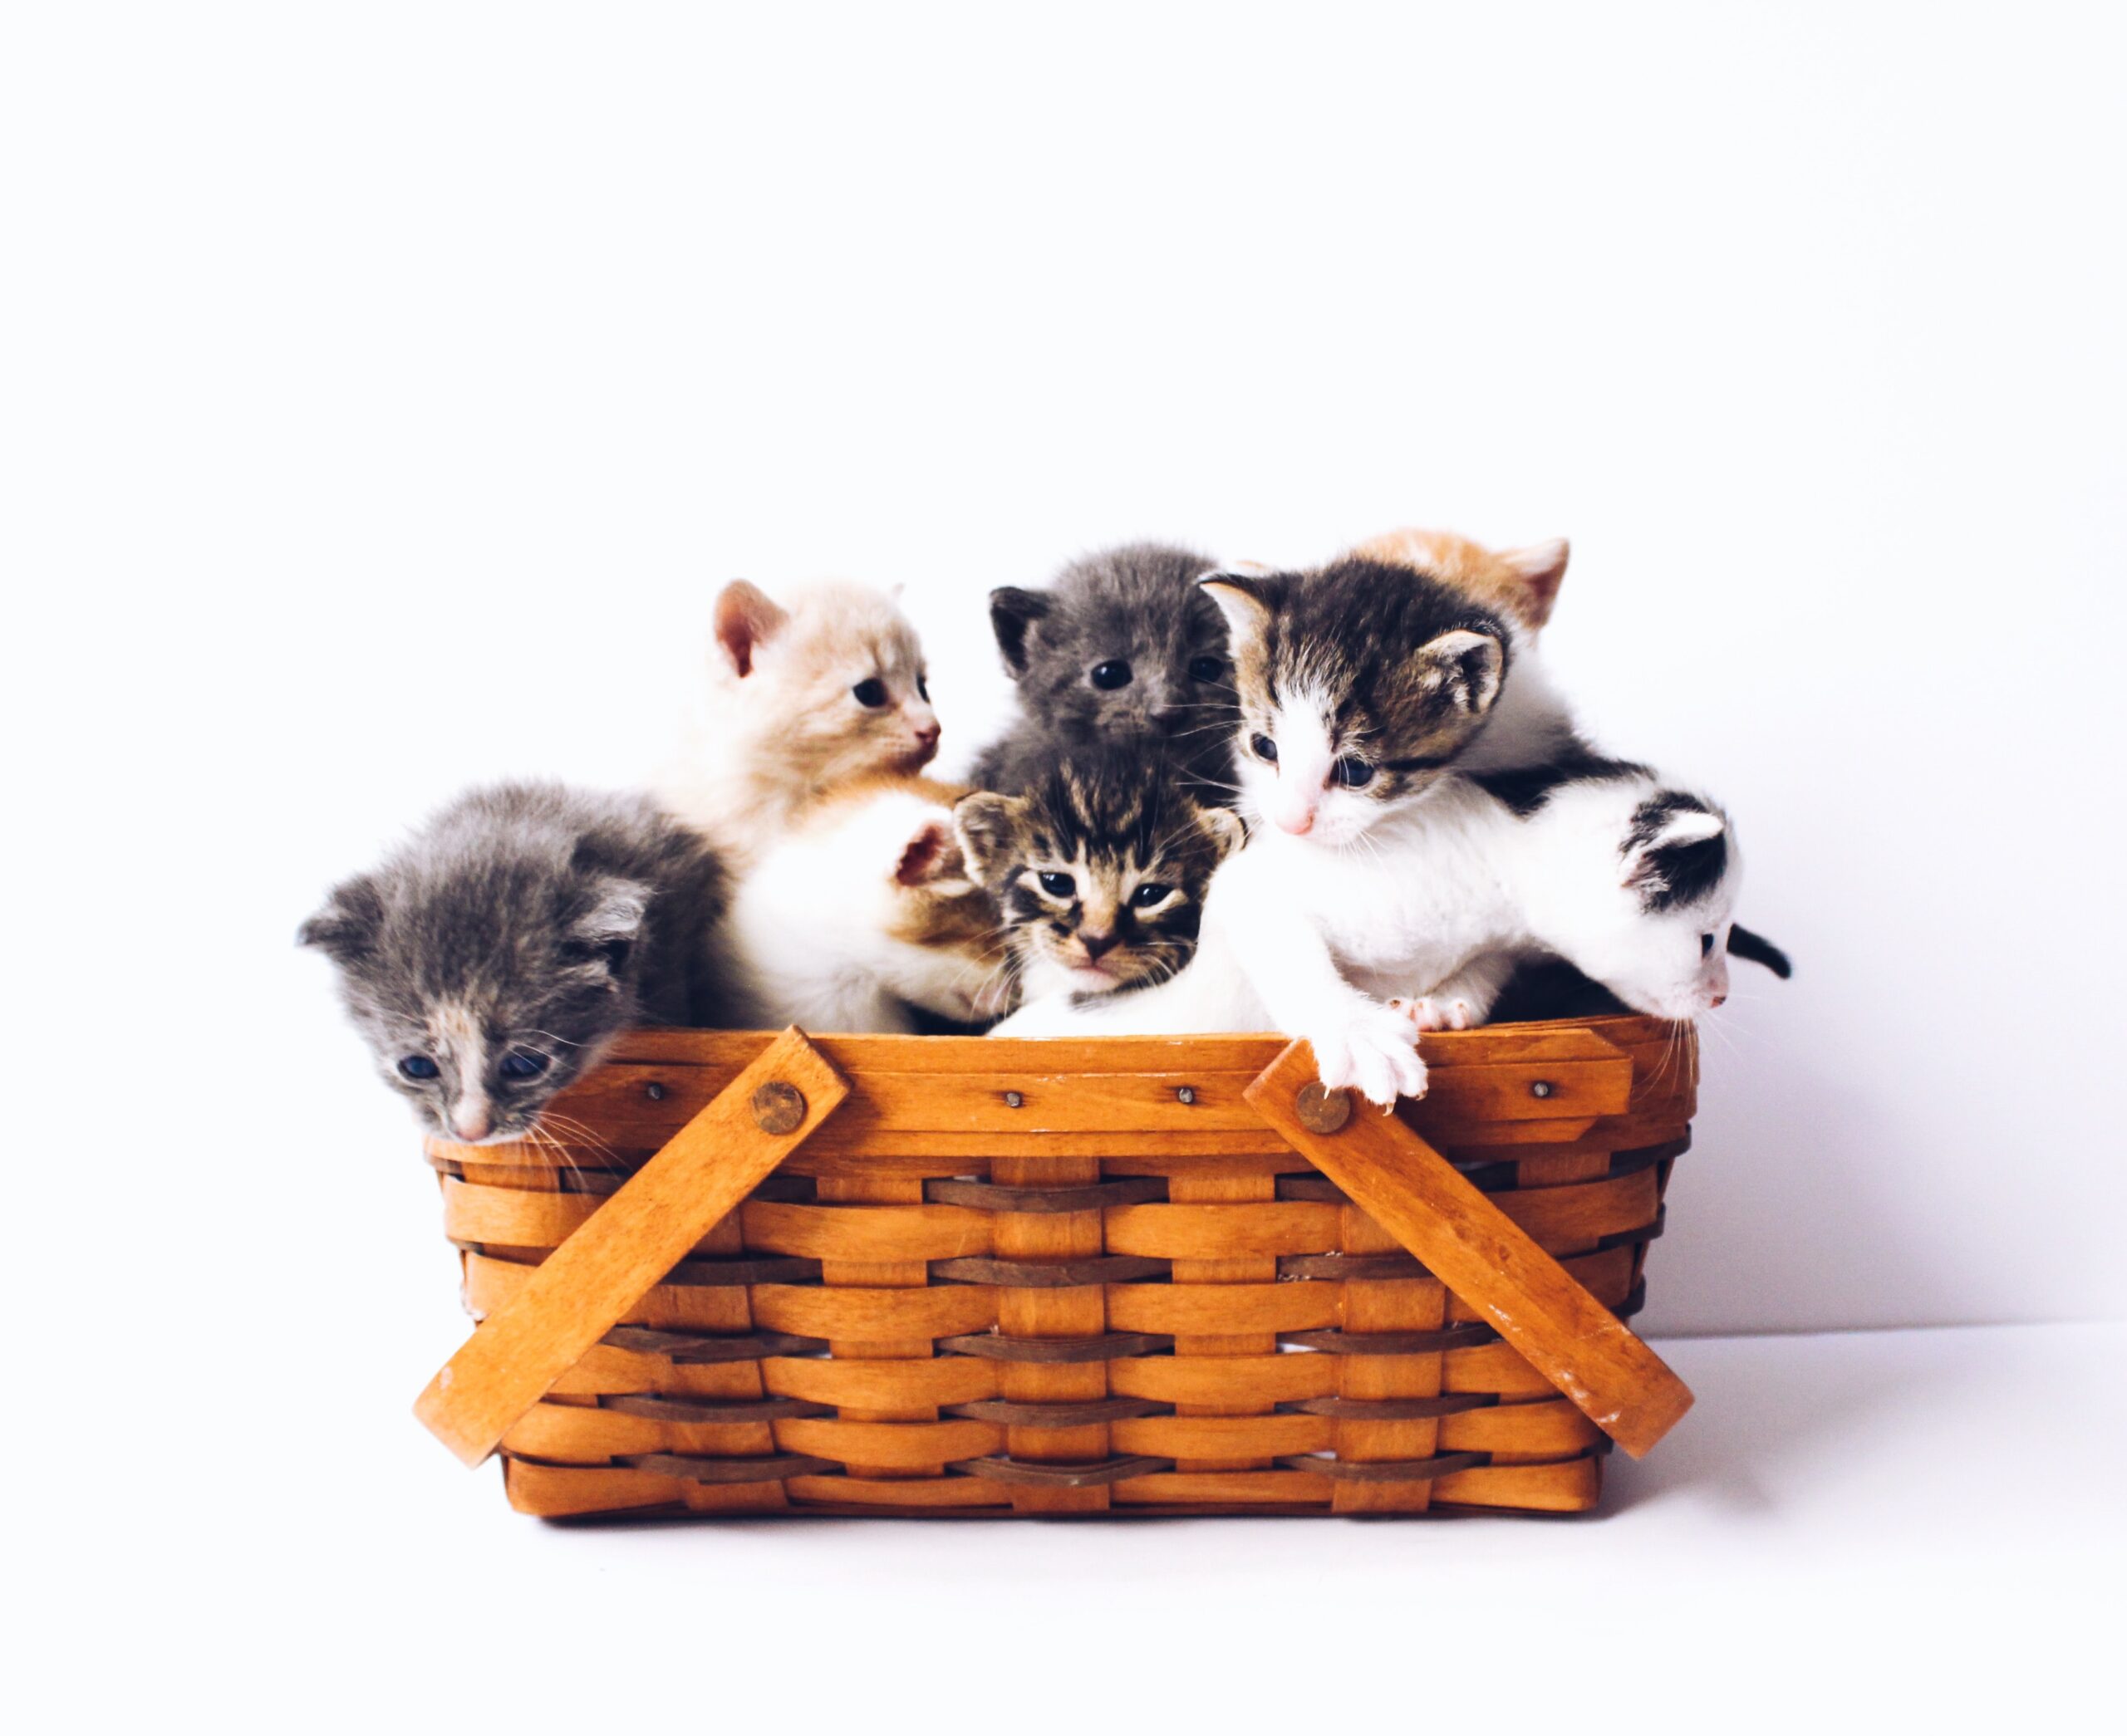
x=744 y=1273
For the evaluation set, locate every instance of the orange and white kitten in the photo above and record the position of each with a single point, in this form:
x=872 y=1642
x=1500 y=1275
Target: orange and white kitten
x=802 y=696
x=864 y=908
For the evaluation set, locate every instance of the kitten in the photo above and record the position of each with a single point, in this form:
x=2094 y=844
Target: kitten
x=802 y=696
x=863 y=911
x=1099 y=868
x=493 y=957
x=1631 y=881
x=1122 y=647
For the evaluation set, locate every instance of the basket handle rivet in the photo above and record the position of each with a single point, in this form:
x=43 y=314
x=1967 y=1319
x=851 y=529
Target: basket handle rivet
x=654 y=1092
x=1012 y=1100
x=778 y=1107
x=1185 y=1093
x=1321 y=1109
x=1542 y=1088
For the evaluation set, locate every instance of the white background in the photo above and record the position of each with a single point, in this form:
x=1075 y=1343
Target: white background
x=387 y=389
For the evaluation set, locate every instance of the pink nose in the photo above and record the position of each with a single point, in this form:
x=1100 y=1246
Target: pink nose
x=1718 y=1000
x=928 y=735
x=472 y=1126
x=1298 y=825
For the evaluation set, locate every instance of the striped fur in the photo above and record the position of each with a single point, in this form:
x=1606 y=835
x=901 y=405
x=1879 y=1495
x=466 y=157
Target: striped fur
x=1099 y=868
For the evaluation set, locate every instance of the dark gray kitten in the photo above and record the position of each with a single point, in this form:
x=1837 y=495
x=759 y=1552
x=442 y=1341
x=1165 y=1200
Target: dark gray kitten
x=492 y=958
x=1123 y=649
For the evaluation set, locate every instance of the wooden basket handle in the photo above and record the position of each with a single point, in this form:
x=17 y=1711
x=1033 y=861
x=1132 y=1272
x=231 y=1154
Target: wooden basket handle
x=1477 y=1251
x=625 y=1248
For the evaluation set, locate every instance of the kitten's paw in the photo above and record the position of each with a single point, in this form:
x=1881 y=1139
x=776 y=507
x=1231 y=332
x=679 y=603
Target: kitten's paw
x=1427 y=1013
x=1375 y=1051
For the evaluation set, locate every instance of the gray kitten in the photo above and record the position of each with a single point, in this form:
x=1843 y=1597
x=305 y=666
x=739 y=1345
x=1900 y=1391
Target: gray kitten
x=493 y=957
x=1123 y=647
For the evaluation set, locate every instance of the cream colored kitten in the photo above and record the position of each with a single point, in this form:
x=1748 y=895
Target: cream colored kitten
x=862 y=910
x=802 y=697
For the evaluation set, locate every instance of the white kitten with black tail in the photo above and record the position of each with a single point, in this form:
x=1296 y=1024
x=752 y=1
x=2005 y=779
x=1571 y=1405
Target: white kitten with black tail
x=496 y=955
x=802 y=696
x=1631 y=881
x=863 y=910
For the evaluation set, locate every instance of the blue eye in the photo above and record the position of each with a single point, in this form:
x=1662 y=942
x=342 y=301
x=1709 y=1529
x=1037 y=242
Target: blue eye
x=1111 y=675
x=1354 y=773
x=523 y=1064
x=1205 y=668
x=1265 y=748
x=870 y=693
x=1059 y=886
x=418 y=1067
x=1148 y=894
x=1706 y=946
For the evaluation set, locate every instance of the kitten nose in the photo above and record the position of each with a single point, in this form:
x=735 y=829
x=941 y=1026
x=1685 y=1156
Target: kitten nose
x=1719 y=1000
x=471 y=1122
x=1298 y=825
x=1096 y=944
x=927 y=733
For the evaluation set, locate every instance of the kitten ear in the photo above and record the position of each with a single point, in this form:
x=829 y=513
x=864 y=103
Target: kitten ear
x=1541 y=569
x=1676 y=855
x=1012 y=611
x=1223 y=827
x=1246 y=599
x=1469 y=668
x=986 y=825
x=613 y=923
x=746 y=618
x=932 y=853
x=345 y=928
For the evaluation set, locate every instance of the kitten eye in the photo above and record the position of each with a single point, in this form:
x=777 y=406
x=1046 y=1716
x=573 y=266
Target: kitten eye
x=523 y=1064
x=923 y=689
x=1145 y=896
x=870 y=693
x=418 y=1067
x=1111 y=675
x=1264 y=748
x=1205 y=668
x=1354 y=773
x=1706 y=946
x=1057 y=886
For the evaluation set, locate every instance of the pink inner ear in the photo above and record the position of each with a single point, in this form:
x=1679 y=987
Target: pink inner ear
x=745 y=617
x=927 y=856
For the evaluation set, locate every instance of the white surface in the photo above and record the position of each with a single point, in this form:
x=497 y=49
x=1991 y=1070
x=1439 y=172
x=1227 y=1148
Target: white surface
x=1848 y=1526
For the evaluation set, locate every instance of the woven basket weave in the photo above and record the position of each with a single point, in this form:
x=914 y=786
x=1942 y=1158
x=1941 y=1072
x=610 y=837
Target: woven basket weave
x=905 y=1275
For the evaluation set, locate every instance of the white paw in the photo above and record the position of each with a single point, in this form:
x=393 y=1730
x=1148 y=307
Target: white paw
x=1375 y=1051
x=1429 y=1014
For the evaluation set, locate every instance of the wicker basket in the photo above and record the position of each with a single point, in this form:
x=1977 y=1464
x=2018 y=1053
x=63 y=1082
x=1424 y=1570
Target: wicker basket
x=923 y=1275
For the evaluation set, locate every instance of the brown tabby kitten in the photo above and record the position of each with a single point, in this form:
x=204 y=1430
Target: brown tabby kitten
x=1099 y=869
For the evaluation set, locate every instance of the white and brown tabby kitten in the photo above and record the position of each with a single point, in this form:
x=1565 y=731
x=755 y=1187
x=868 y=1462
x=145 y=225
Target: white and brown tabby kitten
x=1099 y=868
x=862 y=911
x=802 y=696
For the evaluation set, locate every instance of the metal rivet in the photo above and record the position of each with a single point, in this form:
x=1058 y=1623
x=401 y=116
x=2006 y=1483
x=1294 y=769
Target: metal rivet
x=1012 y=1100
x=1186 y=1093
x=1542 y=1088
x=1322 y=1111
x=778 y=1107
x=654 y=1092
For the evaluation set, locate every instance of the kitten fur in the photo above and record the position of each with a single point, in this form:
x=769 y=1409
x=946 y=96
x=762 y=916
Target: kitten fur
x=783 y=718
x=862 y=911
x=1136 y=607
x=524 y=920
x=1360 y=947
x=1099 y=869
x=1532 y=723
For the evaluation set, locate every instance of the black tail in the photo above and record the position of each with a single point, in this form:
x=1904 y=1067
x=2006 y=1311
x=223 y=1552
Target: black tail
x=1742 y=943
